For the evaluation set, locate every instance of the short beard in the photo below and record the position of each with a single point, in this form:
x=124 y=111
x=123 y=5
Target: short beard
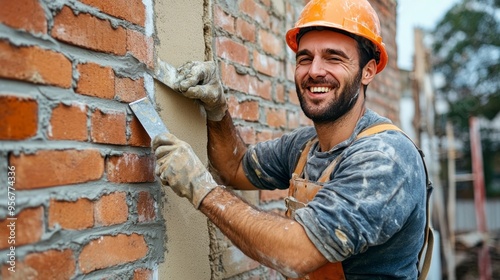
x=338 y=107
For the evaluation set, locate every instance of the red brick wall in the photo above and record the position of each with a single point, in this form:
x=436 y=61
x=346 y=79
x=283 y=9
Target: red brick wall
x=85 y=199
x=86 y=203
x=257 y=70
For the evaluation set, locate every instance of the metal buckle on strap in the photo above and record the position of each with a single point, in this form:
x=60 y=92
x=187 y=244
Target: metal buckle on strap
x=294 y=204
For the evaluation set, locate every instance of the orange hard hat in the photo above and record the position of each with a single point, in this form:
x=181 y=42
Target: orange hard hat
x=352 y=16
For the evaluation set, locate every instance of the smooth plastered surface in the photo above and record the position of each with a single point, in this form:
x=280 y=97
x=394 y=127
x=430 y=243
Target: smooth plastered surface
x=179 y=28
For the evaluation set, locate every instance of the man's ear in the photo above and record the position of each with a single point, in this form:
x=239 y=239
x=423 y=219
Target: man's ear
x=369 y=72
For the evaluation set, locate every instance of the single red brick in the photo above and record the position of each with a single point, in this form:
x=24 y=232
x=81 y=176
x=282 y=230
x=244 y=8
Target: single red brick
x=138 y=135
x=18 y=117
x=267 y=65
x=231 y=50
x=69 y=122
x=87 y=31
x=96 y=80
x=141 y=47
x=23 y=14
x=146 y=207
x=276 y=117
x=75 y=215
x=48 y=168
x=109 y=127
x=223 y=20
x=245 y=30
x=111 y=209
x=35 y=65
x=128 y=90
x=131 y=168
x=262 y=88
x=108 y=251
x=271 y=43
x=130 y=10
x=28 y=228
x=247 y=110
x=51 y=264
x=143 y=274
x=255 y=11
x=234 y=80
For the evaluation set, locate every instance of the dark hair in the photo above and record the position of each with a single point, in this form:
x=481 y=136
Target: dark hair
x=366 y=49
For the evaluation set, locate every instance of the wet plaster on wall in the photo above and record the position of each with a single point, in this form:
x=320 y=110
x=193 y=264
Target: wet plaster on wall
x=180 y=38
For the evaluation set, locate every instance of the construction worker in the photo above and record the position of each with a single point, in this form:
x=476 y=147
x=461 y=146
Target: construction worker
x=357 y=204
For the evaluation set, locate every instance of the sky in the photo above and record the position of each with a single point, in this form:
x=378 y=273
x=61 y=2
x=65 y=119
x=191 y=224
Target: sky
x=416 y=13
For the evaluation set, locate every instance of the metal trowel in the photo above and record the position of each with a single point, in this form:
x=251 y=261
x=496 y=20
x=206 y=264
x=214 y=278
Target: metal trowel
x=145 y=111
x=165 y=73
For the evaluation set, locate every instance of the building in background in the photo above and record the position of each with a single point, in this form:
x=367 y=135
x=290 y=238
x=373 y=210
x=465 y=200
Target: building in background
x=455 y=207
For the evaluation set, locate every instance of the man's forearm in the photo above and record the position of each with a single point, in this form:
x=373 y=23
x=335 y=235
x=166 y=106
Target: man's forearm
x=273 y=240
x=225 y=152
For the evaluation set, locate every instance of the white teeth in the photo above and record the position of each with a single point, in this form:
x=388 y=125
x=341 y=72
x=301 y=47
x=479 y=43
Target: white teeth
x=320 y=89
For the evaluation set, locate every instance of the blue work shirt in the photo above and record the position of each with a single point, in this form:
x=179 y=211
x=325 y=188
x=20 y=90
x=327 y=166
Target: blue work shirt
x=371 y=214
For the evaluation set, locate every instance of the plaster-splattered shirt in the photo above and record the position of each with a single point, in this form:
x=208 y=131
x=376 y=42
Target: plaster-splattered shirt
x=371 y=214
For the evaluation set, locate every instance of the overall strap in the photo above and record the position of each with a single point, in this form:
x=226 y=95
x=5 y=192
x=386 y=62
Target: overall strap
x=429 y=234
x=374 y=129
x=299 y=168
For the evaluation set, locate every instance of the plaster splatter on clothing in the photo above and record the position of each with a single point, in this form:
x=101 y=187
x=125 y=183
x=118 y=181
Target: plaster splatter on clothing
x=371 y=213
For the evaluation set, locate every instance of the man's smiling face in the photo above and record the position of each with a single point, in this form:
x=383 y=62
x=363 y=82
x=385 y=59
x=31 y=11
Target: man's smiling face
x=327 y=75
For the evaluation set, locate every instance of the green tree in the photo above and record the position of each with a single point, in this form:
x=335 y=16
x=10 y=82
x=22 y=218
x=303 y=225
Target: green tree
x=466 y=54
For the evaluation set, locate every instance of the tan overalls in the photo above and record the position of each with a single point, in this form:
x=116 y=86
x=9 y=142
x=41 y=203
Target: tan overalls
x=302 y=191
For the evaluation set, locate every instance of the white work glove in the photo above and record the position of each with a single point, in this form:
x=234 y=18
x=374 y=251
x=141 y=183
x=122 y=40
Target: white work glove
x=200 y=80
x=178 y=167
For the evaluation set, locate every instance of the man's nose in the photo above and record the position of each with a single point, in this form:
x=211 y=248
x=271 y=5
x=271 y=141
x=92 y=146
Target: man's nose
x=317 y=68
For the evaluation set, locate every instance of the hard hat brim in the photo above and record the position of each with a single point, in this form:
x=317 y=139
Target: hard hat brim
x=293 y=44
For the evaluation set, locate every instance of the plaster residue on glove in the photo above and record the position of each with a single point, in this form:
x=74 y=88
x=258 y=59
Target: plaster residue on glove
x=178 y=167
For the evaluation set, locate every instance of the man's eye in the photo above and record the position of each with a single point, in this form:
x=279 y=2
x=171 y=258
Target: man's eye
x=334 y=58
x=303 y=60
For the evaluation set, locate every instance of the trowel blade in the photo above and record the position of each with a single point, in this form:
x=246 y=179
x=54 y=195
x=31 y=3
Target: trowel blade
x=165 y=73
x=145 y=111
